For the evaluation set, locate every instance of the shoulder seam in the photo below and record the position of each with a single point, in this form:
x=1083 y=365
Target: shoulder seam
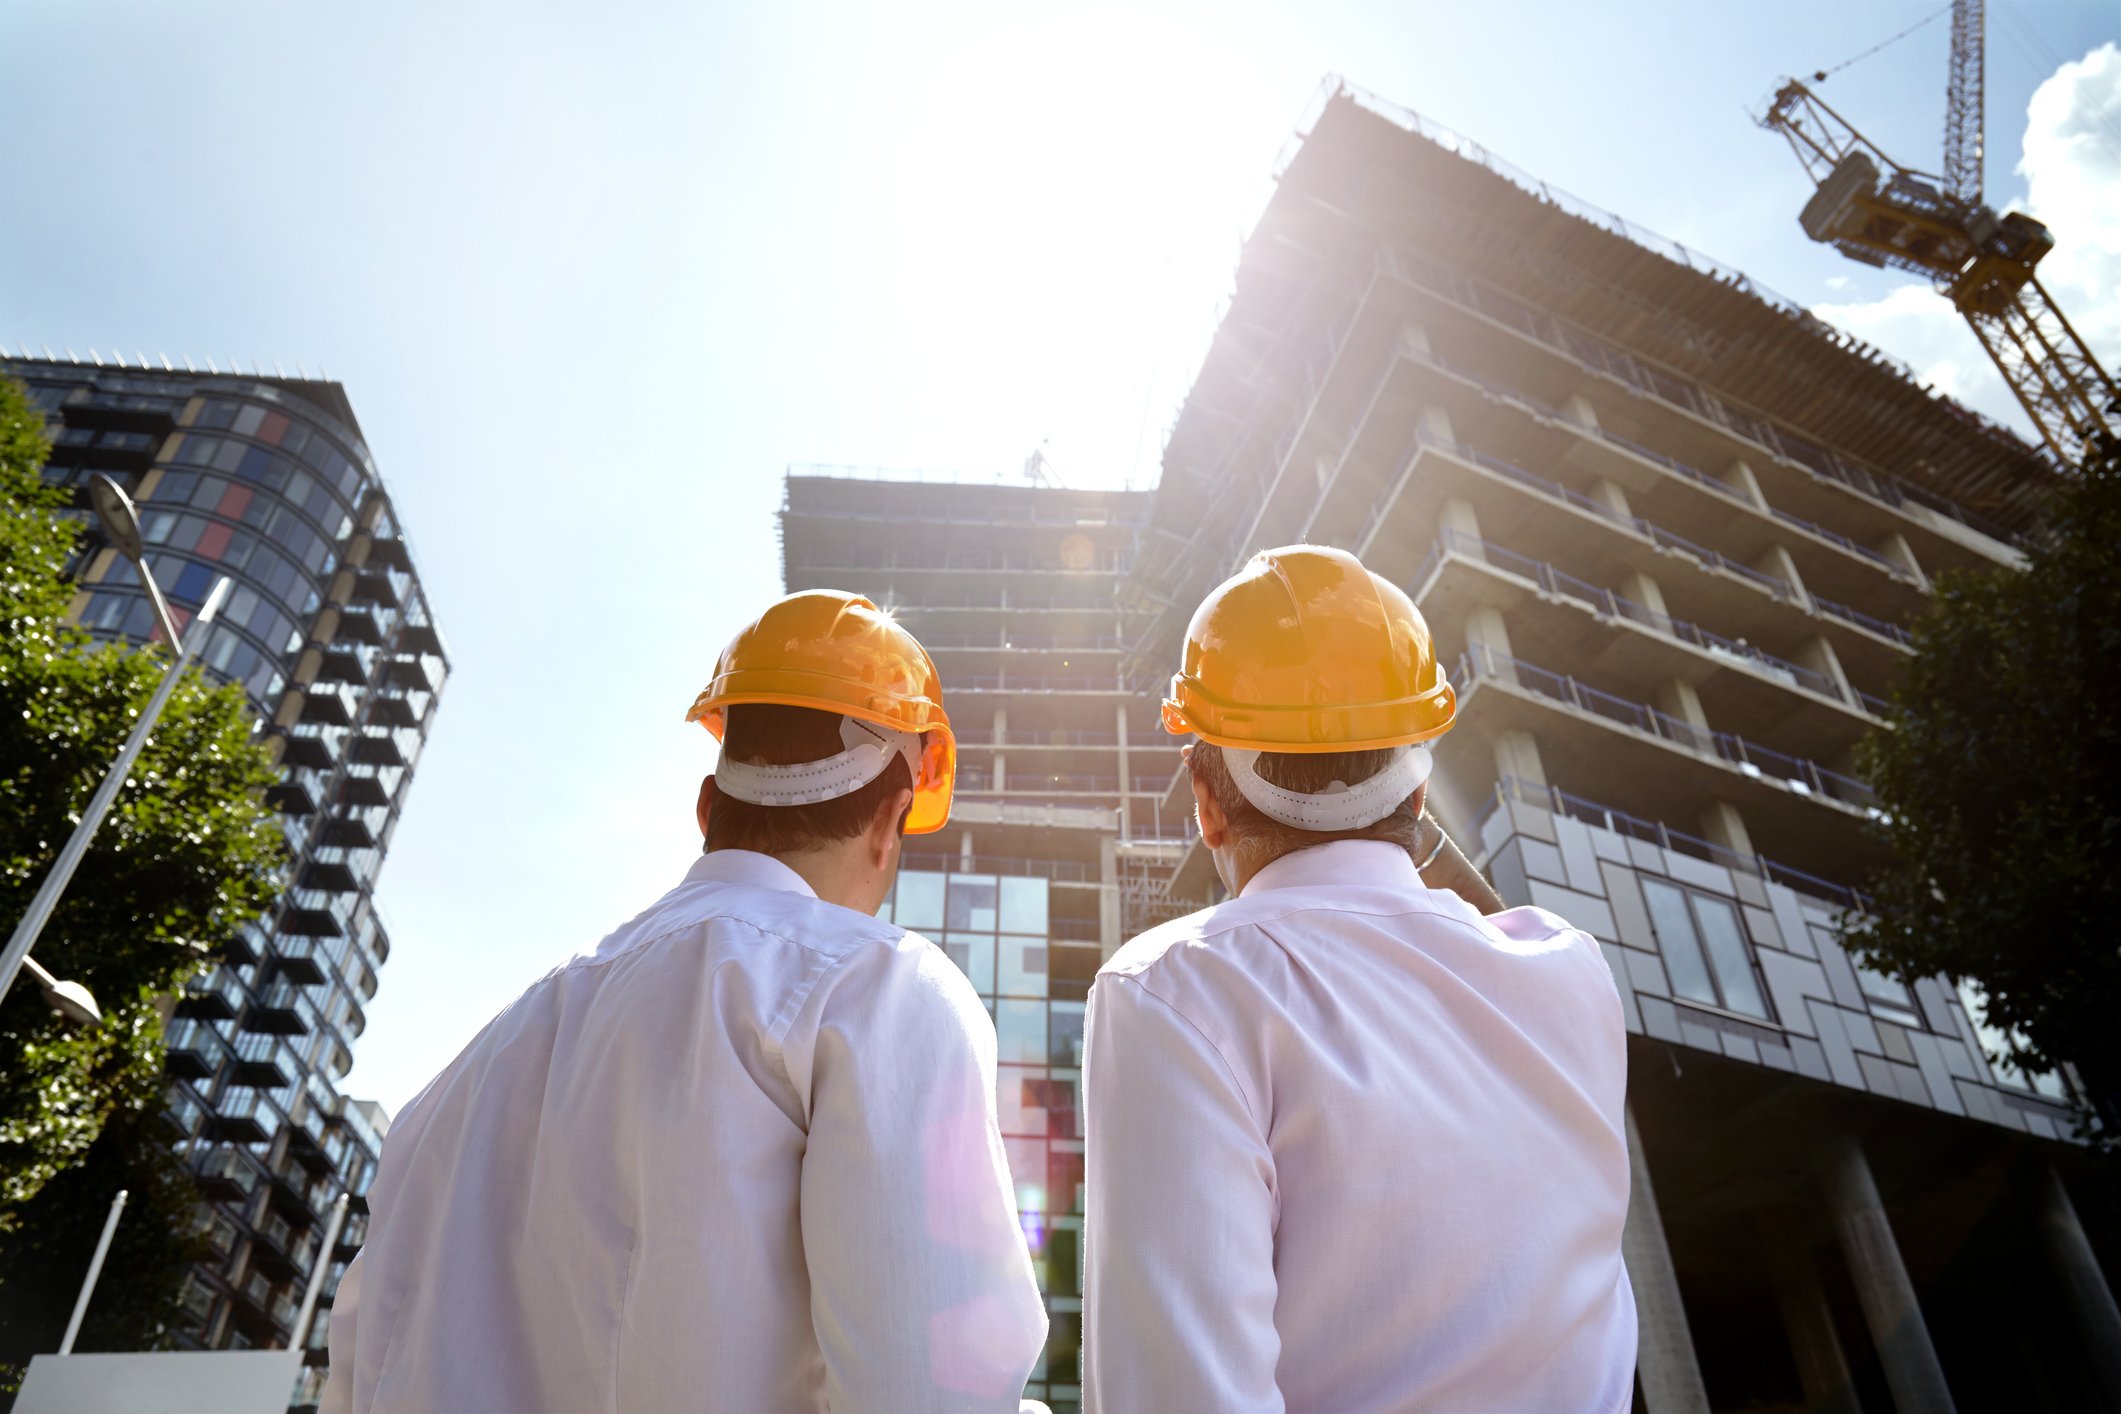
x=1244 y=1092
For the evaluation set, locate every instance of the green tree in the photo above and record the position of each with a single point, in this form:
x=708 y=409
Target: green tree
x=186 y=857
x=2000 y=779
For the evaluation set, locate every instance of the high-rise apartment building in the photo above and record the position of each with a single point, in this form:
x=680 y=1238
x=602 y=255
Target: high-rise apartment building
x=267 y=480
x=1670 y=532
x=1061 y=772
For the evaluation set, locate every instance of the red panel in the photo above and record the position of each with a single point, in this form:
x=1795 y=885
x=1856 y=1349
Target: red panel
x=234 y=501
x=213 y=542
x=270 y=430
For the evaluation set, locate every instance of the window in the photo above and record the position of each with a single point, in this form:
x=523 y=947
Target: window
x=1704 y=951
x=1998 y=1043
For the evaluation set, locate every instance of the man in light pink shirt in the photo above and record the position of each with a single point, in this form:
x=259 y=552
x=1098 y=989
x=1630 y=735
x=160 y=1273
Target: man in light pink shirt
x=1355 y=1136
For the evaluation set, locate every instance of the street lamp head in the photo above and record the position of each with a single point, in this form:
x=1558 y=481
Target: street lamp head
x=70 y=999
x=74 y=1002
x=121 y=523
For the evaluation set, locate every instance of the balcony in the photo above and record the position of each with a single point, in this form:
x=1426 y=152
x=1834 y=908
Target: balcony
x=1672 y=769
x=217 y=996
x=1745 y=434
x=258 y=1063
x=276 y=1012
x=298 y=960
x=359 y=626
x=1632 y=642
x=291 y=797
x=242 y=1117
x=376 y=588
x=1401 y=521
x=328 y=704
x=193 y=1049
x=227 y=1174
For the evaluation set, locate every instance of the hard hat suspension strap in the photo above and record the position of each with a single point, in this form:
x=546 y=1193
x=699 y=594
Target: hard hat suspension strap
x=1339 y=806
x=870 y=748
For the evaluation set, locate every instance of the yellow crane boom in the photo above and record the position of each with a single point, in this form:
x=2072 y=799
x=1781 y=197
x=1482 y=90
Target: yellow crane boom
x=1875 y=210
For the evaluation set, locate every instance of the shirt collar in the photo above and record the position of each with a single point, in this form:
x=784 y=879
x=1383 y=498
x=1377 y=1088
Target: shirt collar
x=1368 y=863
x=744 y=866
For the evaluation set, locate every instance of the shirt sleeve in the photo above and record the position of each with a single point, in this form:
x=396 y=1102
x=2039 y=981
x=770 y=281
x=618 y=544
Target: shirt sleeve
x=345 y=1328
x=920 y=1283
x=1178 y=1303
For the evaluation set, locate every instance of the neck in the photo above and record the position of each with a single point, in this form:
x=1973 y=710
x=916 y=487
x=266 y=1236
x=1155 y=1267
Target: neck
x=840 y=874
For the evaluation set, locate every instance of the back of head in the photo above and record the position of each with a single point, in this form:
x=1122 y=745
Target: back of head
x=1257 y=839
x=762 y=734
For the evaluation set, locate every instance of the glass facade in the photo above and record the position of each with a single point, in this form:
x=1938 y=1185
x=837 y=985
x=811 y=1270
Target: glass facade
x=995 y=928
x=327 y=628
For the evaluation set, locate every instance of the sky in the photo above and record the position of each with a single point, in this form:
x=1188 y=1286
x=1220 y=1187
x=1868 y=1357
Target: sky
x=595 y=275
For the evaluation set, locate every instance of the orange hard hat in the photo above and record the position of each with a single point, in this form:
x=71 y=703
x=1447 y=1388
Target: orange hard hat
x=837 y=652
x=1304 y=650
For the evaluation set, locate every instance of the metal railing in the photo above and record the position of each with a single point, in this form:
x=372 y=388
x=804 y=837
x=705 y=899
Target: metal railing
x=1560 y=584
x=1773 y=585
x=1804 y=777
x=1686 y=395
x=1066 y=870
x=1620 y=822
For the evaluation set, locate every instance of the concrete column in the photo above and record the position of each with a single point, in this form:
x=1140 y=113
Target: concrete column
x=1895 y=548
x=964 y=847
x=1722 y=824
x=1577 y=408
x=1436 y=426
x=1001 y=725
x=1819 y=655
x=1517 y=754
x=1677 y=698
x=1777 y=562
x=1890 y=1308
x=1126 y=778
x=1822 y=1367
x=1614 y=496
x=1664 y=1354
x=1645 y=591
x=1484 y=629
x=2076 y=1266
x=1413 y=340
x=1109 y=925
x=1001 y=772
x=1456 y=516
x=1739 y=475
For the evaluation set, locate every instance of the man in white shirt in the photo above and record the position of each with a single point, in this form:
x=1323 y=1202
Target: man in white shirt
x=743 y=1155
x=1352 y=1145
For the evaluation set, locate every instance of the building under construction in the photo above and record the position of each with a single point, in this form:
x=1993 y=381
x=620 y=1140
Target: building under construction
x=1670 y=532
x=1052 y=839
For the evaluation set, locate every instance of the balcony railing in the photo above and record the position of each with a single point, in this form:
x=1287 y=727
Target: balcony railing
x=1686 y=395
x=1563 y=585
x=1607 y=817
x=1479 y=663
x=1066 y=870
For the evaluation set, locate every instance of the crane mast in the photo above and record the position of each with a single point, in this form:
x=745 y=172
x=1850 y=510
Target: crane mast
x=1962 y=104
x=1873 y=209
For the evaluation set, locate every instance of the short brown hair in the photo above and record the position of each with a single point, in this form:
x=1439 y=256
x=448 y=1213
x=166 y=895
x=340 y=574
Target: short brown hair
x=764 y=735
x=1259 y=840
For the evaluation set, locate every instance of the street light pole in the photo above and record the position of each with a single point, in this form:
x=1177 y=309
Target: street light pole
x=123 y=524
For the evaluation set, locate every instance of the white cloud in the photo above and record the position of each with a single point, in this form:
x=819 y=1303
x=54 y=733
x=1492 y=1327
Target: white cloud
x=2071 y=166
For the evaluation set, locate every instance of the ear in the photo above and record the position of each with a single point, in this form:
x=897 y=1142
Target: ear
x=1214 y=825
x=1420 y=799
x=882 y=838
x=705 y=806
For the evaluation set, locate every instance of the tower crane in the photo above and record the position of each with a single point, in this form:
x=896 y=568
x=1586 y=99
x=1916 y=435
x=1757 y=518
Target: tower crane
x=1875 y=210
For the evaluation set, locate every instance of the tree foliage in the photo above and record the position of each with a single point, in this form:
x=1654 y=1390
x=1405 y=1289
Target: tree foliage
x=187 y=856
x=2000 y=777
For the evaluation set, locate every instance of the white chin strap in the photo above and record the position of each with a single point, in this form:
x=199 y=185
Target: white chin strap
x=869 y=750
x=1339 y=806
